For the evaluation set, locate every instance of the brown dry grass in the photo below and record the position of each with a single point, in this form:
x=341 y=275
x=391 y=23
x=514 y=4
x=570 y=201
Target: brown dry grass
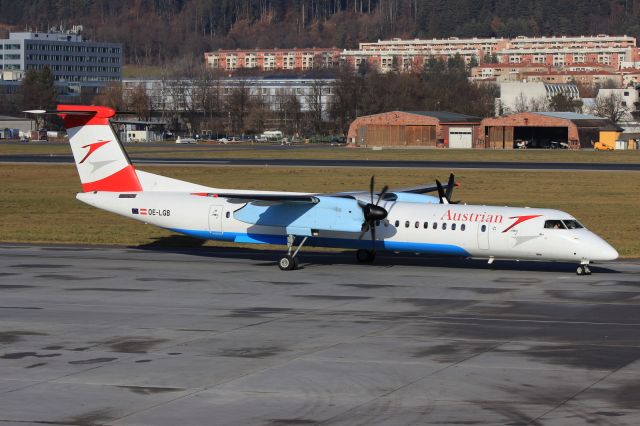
x=39 y=205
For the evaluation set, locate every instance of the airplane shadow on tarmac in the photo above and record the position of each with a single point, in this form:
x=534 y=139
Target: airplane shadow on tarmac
x=309 y=257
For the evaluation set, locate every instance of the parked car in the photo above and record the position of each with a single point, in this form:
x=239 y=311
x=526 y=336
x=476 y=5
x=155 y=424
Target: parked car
x=338 y=141
x=185 y=140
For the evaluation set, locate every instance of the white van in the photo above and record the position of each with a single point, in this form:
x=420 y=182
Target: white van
x=185 y=140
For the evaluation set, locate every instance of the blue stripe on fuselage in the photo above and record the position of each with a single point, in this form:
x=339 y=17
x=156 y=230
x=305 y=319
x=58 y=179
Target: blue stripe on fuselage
x=364 y=243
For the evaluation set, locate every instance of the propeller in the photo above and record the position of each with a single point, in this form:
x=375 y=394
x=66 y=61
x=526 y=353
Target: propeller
x=372 y=212
x=445 y=196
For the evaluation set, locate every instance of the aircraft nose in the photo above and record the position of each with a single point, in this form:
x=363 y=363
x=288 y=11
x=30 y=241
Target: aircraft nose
x=603 y=252
x=608 y=253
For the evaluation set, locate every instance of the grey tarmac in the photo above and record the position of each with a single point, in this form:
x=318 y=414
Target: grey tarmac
x=153 y=335
x=285 y=162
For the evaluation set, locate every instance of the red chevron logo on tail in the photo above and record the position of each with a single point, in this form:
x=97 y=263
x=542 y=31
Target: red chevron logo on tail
x=92 y=148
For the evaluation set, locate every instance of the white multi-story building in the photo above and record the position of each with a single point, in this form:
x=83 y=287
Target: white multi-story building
x=182 y=94
x=527 y=96
x=68 y=55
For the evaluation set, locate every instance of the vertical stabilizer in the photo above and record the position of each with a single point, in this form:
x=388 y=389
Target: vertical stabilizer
x=100 y=158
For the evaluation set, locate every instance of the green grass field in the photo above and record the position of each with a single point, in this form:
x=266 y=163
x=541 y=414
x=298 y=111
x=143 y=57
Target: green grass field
x=39 y=205
x=168 y=150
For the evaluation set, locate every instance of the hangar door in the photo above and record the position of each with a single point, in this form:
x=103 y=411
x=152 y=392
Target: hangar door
x=394 y=135
x=460 y=137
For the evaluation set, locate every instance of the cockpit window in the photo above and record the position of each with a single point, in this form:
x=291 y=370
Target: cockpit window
x=554 y=224
x=572 y=224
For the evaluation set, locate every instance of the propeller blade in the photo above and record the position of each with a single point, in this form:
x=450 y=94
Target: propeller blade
x=372 y=183
x=450 y=185
x=373 y=238
x=441 y=194
x=363 y=230
x=384 y=191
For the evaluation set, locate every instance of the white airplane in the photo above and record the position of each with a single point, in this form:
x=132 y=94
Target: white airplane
x=402 y=220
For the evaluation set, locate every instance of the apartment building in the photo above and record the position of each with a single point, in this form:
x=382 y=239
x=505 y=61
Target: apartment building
x=296 y=59
x=604 y=50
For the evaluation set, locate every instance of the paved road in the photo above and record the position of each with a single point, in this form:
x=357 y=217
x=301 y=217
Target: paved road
x=146 y=336
x=342 y=163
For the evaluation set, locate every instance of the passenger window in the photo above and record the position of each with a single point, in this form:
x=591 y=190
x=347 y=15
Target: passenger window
x=426 y=225
x=462 y=227
x=435 y=225
x=406 y=224
x=444 y=226
x=417 y=225
x=554 y=224
x=228 y=215
x=377 y=223
x=453 y=226
x=397 y=223
x=386 y=223
x=572 y=224
x=483 y=228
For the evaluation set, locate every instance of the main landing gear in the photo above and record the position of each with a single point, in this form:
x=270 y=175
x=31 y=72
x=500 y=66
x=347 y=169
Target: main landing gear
x=290 y=261
x=583 y=269
x=365 y=256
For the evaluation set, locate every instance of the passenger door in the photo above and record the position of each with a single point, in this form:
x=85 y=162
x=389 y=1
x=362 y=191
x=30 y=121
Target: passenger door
x=215 y=220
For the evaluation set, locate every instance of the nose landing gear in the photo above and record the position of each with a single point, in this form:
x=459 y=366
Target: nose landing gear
x=583 y=270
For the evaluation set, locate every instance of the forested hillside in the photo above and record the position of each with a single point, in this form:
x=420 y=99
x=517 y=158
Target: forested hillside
x=157 y=31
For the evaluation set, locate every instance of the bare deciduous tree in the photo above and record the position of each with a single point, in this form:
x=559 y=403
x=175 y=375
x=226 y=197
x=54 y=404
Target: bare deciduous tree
x=138 y=101
x=314 y=99
x=610 y=106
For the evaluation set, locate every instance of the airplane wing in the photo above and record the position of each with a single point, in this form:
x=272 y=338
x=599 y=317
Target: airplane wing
x=424 y=189
x=265 y=198
x=302 y=215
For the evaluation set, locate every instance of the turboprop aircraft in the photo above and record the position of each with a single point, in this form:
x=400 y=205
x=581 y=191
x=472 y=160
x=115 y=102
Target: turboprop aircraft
x=402 y=220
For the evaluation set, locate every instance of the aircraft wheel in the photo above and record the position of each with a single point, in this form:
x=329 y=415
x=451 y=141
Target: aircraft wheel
x=587 y=271
x=287 y=263
x=365 y=256
x=582 y=270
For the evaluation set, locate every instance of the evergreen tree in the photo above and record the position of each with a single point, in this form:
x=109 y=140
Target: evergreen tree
x=37 y=91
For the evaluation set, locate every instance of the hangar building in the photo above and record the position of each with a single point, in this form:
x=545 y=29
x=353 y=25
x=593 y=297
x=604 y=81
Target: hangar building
x=542 y=130
x=415 y=128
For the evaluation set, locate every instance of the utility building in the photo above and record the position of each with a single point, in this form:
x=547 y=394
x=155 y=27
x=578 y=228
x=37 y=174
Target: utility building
x=542 y=130
x=415 y=128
